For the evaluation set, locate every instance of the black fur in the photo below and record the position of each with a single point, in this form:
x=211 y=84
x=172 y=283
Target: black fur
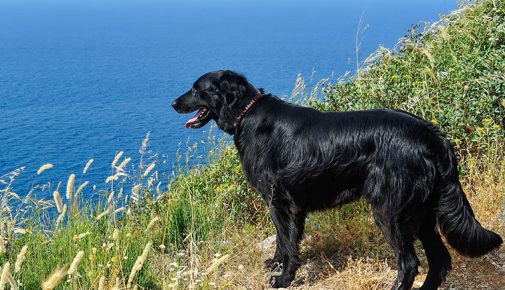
x=303 y=160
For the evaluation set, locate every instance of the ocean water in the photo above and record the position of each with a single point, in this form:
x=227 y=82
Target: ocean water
x=85 y=79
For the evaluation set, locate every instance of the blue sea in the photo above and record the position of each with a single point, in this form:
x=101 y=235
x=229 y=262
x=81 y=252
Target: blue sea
x=86 y=79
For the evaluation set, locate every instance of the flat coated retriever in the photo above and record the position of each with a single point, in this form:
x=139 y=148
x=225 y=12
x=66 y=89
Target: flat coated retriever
x=303 y=160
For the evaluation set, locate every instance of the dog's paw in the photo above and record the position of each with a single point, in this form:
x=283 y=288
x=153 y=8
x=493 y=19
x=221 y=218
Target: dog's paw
x=281 y=281
x=273 y=265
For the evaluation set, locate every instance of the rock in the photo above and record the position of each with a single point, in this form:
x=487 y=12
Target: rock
x=267 y=243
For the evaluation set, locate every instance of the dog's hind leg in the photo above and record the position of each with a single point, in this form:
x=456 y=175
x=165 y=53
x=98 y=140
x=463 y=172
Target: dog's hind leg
x=439 y=260
x=291 y=260
x=399 y=236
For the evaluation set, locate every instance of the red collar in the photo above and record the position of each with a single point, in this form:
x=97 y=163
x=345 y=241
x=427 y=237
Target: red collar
x=247 y=107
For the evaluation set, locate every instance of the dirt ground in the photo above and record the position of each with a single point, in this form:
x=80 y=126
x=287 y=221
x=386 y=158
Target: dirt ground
x=486 y=272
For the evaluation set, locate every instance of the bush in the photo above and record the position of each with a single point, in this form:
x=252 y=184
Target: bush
x=451 y=72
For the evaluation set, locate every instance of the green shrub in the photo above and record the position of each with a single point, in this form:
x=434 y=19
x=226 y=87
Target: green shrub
x=451 y=72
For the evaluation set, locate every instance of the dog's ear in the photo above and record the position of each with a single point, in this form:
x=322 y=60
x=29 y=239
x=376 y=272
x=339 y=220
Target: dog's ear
x=233 y=87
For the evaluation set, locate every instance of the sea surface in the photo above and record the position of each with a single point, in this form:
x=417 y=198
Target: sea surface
x=86 y=78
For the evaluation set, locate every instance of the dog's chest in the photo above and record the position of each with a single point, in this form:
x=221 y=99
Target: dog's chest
x=258 y=174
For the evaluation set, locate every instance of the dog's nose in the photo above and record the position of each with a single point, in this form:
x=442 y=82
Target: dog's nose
x=175 y=104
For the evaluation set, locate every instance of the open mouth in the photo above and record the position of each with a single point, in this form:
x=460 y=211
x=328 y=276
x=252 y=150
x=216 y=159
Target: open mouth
x=201 y=118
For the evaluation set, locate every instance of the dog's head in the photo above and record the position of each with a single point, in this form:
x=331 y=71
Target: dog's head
x=220 y=95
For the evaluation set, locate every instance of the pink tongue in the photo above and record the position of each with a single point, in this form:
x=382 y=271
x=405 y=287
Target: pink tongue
x=192 y=120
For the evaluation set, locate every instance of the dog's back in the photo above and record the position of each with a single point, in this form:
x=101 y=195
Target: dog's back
x=287 y=145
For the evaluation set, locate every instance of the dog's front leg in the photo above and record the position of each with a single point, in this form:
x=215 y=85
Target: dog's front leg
x=281 y=221
x=275 y=263
x=291 y=260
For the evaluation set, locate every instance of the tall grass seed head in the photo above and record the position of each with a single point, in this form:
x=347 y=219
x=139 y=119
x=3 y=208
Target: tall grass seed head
x=75 y=263
x=44 y=168
x=70 y=186
x=57 y=201
x=116 y=158
x=88 y=164
x=54 y=279
x=20 y=258
x=80 y=188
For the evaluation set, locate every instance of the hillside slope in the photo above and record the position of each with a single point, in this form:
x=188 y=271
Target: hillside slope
x=208 y=228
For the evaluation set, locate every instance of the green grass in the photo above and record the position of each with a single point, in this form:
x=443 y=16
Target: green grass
x=452 y=74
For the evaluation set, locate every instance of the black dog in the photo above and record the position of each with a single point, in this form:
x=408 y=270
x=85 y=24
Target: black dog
x=303 y=160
